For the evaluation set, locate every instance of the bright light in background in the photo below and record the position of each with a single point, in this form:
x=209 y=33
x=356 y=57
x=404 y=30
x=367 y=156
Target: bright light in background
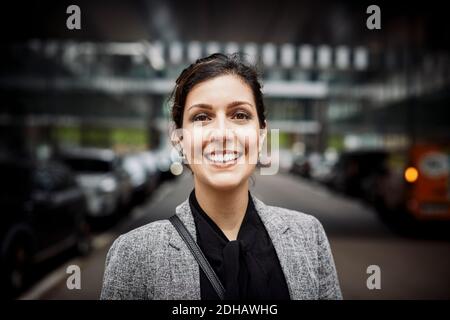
x=306 y=56
x=269 y=54
x=155 y=52
x=331 y=155
x=231 y=47
x=411 y=174
x=251 y=52
x=361 y=58
x=176 y=52
x=212 y=47
x=287 y=55
x=298 y=148
x=194 y=51
x=352 y=142
x=342 y=57
x=324 y=57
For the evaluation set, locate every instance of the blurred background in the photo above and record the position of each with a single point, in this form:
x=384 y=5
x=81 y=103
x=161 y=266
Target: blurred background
x=362 y=114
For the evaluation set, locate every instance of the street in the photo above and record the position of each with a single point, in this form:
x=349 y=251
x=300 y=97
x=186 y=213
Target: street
x=410 y=268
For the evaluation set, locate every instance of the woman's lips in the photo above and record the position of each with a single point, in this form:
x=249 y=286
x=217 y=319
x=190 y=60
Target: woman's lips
x=223 y=159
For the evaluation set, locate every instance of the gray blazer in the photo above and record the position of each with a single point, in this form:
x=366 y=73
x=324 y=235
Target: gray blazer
x=153 y=262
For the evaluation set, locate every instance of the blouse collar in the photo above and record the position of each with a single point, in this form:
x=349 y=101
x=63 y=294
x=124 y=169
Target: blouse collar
x=274 y=223
x=249 y=222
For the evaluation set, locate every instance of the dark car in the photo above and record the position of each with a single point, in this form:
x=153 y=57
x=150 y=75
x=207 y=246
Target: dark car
x=135 y=168
x=356 y=172
x=43 y=213
x=106 y=184
x=302 y=167
x=142 y=167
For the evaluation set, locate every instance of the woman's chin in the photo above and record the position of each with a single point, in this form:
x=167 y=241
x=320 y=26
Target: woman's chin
x=225 y=180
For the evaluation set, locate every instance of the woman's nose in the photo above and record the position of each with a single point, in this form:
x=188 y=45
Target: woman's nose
x=221 y=130
x=221 y=123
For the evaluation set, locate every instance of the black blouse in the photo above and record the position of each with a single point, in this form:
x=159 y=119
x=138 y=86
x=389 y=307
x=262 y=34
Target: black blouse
x=247 y=267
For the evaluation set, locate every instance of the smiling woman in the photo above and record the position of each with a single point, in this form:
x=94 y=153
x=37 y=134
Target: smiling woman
x=221 y=118
x=240 y=247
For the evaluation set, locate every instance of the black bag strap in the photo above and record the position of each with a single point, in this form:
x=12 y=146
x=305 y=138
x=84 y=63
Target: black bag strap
x=198 y=255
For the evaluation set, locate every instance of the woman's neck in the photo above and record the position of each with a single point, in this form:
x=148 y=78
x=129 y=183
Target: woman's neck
x=226 y=208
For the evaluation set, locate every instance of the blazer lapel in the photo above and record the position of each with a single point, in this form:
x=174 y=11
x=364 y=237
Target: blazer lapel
x=184 y=274
x=289 y=246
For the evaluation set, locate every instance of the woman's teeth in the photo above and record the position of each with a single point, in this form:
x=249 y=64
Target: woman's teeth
x=222 y=157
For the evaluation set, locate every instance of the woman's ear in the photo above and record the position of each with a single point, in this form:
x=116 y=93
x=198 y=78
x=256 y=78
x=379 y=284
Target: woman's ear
x=176 y=136
x=262 y=136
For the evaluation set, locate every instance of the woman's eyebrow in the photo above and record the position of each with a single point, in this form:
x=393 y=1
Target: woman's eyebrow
x=238 y=103
x=230 y=105
x=200 y=105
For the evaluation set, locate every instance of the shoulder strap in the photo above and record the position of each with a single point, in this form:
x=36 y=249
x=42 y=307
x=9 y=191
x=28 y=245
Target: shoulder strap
x=198 y=255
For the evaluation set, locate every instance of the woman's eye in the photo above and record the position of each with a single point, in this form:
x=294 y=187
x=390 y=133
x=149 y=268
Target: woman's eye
x=241 y=116
x=200 y=117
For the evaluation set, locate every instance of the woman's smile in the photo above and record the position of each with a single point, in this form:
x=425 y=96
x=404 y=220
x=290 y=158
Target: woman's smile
x=223 y=159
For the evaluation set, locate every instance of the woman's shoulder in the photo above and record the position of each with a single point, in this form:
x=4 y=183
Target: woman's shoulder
x=306 y=223
x=129 y=262
x=143 y=238
x=285 y=213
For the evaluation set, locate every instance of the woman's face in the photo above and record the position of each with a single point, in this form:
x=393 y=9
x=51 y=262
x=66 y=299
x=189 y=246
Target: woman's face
x=221 y=132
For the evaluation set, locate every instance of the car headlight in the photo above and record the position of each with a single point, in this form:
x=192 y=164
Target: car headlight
x=108 y=185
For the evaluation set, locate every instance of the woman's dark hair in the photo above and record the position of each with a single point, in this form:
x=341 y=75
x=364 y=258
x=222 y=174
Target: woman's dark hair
x=215 y=65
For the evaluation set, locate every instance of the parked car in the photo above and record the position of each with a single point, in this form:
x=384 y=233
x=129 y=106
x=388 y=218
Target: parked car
x=43 y=213
x=285 y=160
x=135 y=168
x=150 y=162
x=301 y=166
x=356 y=172
x=321 y=170
x=106 y=184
